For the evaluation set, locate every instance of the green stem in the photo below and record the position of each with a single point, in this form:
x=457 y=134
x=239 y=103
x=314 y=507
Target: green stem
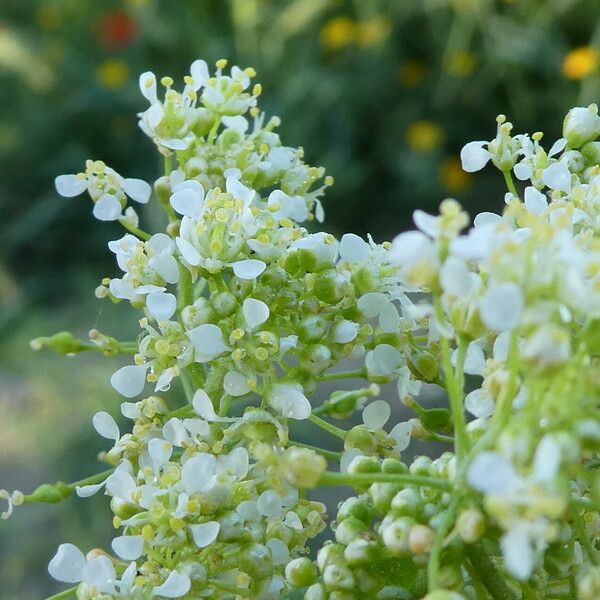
x=327 y=426
x=440 y=437
x=331 y=478
x=489 y=575
x=168 y=164
x=581 y=534
x=229 y=587
x=454 y=385
x=510 y=184
x=135 y=230
x=185 y=290
x=330 y=454
x=64 y=594
x=356 y=374
x=433 y=566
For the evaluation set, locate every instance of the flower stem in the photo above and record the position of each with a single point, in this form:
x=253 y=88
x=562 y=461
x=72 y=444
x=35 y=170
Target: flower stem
x=510 y=184
x=433 y=566
x=487 y=572
x=331 y=478
x=143 y=235
x=331 y=454
x=454 y=385
x=356 y=374
x=70 y=593
x=338 y=432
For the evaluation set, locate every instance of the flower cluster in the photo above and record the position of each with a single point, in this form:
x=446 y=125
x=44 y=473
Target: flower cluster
x=250 y=312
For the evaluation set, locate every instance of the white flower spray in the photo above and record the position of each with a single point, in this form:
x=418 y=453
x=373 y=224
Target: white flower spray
x=249 y=312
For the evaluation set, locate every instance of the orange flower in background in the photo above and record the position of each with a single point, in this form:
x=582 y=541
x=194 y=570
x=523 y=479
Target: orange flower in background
x=424 y=136
x=338 y=33
x=112 y=74
x=117 y=29
x=411 y=73
x=581 y=62
x=453 y=177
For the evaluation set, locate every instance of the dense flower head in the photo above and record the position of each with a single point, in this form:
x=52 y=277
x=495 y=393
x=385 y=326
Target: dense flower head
x=250 y=311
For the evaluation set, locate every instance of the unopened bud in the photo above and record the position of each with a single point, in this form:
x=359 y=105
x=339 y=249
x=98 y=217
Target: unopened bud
x=470 y=525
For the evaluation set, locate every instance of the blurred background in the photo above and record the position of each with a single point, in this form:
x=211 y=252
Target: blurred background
x=381 y=93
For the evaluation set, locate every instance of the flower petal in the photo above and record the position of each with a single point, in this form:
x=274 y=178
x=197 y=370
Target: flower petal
x=67 y=564
x=249 y=268
x=130 y=380
x=128 y=547
x=106 y=426
x=137 y=189
x=205 y=534
x=70 y=186
x=161 y=305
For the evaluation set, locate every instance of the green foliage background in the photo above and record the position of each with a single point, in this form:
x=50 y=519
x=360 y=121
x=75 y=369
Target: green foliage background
x=383 y=93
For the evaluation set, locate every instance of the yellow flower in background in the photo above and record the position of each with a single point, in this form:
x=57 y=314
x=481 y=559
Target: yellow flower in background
x=373 y=32
x=112 y=74
x=338 y=33
x=581 y=62
x=461 y=63
x=424 y=136
x=411 y=73
x=48 y=17
x=452 y=175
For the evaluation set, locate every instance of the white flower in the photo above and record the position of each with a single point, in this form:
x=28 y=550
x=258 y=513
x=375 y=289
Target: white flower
x=187 y=198
x=198 y=473
x=289 y=400
x=501 y=306
x=256 y=312
x=13 y=499
x=383 y=361
x=208 y=342
x=205 y=534
x=557 y=177
x=376 y=414
x=249 y=268
x=106 y=426
x=128 y=547
x=161 y=305
x=175 y=586
x=455 y=277
x=236 y=384
x=474 y=157
x=130 y=380
x=535 y=202
x=353 y=248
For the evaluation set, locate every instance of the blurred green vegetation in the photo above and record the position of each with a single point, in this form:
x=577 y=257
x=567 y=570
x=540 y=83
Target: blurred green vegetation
x=383 y=93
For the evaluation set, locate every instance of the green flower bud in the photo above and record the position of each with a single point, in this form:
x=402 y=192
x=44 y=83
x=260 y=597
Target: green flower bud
x=394 y=592
x=420 y=539
x=393 y=465
x=364 y=464
x=381 y=494
x=361 y=552
x=363 y=439
x=331 y=287
x=311 y=329
x=316 y=591
x=470 y=525
x=63 y=342
x=342 y=595
x=407 y=502
x=162 y=188
x=123 y=509
x=355 y=507
x=349 y=529
x=444 y=595
x=581 y=125
x=420 y=466
x=395 y=536
x=224 y=303
x=338 y=577
x=256 y=561
x=426 y=365
x=435 y=419
x=315 y=358
x=588 y=587
x=197 y=314
x=50 y=493
x=301 y=572
x=450 y=576
x=591 y=153
x=330 y=554
x=303 y=467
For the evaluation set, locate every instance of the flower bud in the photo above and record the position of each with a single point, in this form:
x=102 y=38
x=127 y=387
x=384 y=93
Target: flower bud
x=316 y=592
x=338 y=577
x=427 y=366
x=224 y=303
x=348 y=530
x=301 y=572
x=420 y=466
x=420 y=539
x=381 y=494
x=331 y=287
x=63 y=342
x=361 y=438
x=311 y=329
x=394 y=592
x=355 y=507
x=361 y=551
x=364 y=464
x=393 y=465
x=315 y=358
x=581 y=125
x=256 y=561
x=444 y=595
x=588 y=587
x=470 y=525
x=395 y=536
x=330 y=554
x=406 y=502
x=303 y=467
x=50 y=493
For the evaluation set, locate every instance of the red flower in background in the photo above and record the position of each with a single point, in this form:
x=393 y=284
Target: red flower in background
x=117 y=29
